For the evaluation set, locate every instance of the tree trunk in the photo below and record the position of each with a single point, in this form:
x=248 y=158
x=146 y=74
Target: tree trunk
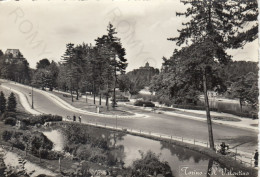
x=77 y=92
x=240 y=102
x=100 y=97
x=114 y=95
x=94 y=92
x=211 y=140
x=107 y=102
x=71 y=95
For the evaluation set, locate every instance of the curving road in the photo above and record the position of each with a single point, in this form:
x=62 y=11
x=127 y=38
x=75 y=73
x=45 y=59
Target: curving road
x=245 y=140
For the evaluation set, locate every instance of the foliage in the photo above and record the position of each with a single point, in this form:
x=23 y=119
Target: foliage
x=15 y=71
x=144 y=103
x=150 y=164
x=125 y=84
x=212 y=27
x=246 y=89
x=11 y=103
x=46 y=74
x=10 y=121
x=142 y=77
x=44 y=63
x=40 y=119
x=36 y=143
x=95 y=145
x=2 y=102
x=6 y=135
x=8 y=114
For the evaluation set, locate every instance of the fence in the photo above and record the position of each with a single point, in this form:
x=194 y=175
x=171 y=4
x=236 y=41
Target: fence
x=234 y=153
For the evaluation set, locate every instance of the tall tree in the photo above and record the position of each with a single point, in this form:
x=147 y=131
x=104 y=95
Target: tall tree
x=2 y=102
x=11 y=103
x=68 y=61
x=117 y=54
x=213 y=27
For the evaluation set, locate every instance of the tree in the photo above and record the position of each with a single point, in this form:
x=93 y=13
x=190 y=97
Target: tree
x=2 y=102
x=213 y=27
x=11 y=103
x=117 y=56
x=149 y=165
x=43 y=63
x=246 y=90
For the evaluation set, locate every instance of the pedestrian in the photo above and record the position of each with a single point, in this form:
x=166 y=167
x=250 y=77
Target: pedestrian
x=80 y=119
x=256 y=158
x=74 y=118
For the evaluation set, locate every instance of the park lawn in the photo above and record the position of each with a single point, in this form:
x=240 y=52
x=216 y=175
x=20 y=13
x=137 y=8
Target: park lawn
x=91 y=107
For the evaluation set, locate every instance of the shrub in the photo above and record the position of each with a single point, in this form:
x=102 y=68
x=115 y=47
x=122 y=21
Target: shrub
x=8 y=114
x=19 y=145
x=144 y=103
x=7 y=135
x=11 y=103
x=10 y=121
x=149 y=164
x=50 y=155
x=41 y=119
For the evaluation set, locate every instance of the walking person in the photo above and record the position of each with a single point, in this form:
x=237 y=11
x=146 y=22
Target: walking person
x=80 y=119
x=256 y=158
x=74 y=118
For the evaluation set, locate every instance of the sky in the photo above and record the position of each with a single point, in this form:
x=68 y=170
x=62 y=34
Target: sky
x=41 y=28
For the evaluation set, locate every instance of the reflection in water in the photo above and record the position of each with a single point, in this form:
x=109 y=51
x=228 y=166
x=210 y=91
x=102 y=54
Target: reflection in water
x=183 y=154
x=125 y=149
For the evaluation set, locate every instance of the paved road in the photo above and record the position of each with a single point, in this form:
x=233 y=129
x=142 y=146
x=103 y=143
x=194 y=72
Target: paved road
x=245 y=140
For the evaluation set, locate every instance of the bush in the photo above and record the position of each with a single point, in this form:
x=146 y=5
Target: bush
x=149 y=164
x=50 y=155
x=144 y=103
x=7 y=135
x=10 y=121
x=19 y=145
x=41 y=119
x=8 y=114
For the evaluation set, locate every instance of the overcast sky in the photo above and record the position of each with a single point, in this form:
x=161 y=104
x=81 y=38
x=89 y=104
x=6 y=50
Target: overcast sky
x=42 y=29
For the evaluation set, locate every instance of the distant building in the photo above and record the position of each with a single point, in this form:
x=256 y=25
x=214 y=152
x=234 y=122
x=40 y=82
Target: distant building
x=143 y=75
x=146 y=67
x=13 y=56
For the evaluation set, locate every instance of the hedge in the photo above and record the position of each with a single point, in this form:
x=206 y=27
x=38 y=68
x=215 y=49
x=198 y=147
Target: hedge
x=41 y=119
x=144 y=103
x=10 y=121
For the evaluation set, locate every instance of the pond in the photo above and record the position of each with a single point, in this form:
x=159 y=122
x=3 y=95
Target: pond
x=183 y=162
